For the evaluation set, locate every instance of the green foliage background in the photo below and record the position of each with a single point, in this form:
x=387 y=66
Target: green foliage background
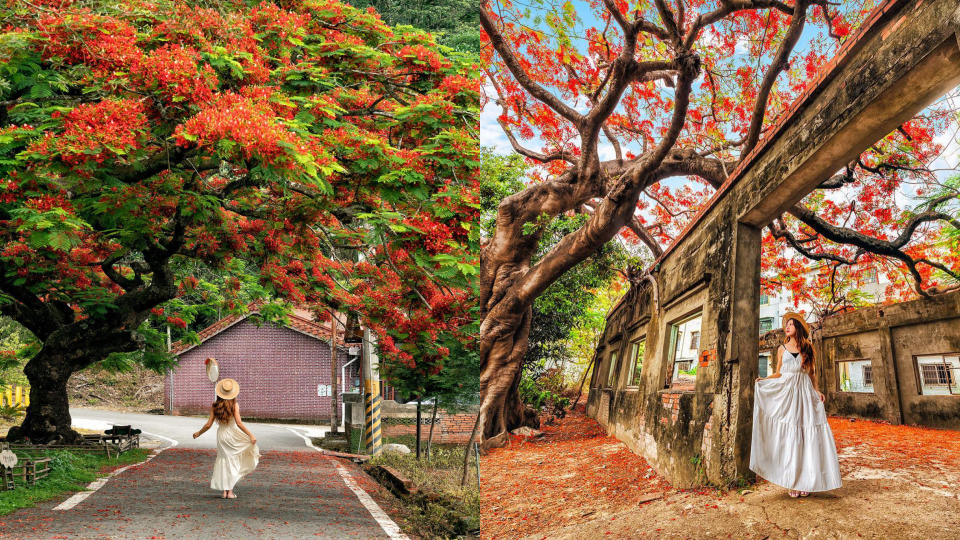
x=455 y=22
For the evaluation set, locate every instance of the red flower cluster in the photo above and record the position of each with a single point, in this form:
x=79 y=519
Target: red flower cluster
x=434 y=235
x=176 y=74
x=98 y=131
x=105 y=44
x=248 y=123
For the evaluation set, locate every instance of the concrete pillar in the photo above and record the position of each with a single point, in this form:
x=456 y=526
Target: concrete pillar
x=890 y=375
x=733 y=403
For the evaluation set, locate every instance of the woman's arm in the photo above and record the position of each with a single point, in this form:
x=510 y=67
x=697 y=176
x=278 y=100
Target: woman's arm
x=236 y=416
x=205 y=426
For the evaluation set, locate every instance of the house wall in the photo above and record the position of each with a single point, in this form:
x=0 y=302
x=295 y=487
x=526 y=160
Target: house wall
x=892 y=337
x=278 y=370
x=905 y=56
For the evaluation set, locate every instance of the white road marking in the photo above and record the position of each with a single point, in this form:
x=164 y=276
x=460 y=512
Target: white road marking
x=92 y=488
x=381 y=517
x=387 y=524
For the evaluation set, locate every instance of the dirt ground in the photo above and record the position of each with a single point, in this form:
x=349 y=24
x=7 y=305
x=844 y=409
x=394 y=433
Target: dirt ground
x=138 y=390
x=576 y=482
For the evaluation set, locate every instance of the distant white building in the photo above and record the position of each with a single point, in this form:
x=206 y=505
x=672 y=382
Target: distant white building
x=774 y=306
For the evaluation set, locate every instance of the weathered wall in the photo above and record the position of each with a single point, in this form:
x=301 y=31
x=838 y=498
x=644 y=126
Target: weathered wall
x=278 y=370
x=903 y=57
x=890 y=337
x=664 y=423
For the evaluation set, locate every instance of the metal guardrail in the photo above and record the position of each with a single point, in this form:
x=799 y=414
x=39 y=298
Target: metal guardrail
x=15 y=396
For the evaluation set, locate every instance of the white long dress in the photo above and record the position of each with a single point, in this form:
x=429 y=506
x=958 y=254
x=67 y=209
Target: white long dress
x=793 y=444
x=236 y=456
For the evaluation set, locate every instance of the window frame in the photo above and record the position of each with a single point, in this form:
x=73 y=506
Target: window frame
x=952 y=373
x=674 y=340
x=837 y=384
x=613 y=360
x=633 y=378
x=762 y=331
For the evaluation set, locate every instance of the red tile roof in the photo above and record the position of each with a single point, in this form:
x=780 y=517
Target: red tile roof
x=299 y=319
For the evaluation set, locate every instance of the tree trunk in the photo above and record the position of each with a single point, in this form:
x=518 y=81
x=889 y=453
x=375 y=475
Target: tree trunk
x=509 y=287
x=48 y=415
x=419 y=405
x=433 y=420
x=501 y=409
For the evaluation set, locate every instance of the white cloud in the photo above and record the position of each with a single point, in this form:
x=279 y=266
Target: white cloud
x=491 y=134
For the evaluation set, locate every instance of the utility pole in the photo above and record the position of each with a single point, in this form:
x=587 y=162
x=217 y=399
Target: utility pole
x=334 y=422
x=371 y=396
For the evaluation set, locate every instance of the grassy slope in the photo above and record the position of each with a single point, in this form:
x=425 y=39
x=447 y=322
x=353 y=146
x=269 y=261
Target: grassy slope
x=441 y=475
x=71 y=472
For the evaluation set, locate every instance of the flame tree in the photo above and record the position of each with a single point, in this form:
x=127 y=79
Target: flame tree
x=610 y=99
x=139 y=140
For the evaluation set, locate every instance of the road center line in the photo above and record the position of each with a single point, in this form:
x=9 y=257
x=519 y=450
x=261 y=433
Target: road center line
x=381 y=517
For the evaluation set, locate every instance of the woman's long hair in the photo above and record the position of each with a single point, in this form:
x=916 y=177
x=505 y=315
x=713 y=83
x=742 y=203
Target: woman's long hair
x=223 y=409
x=806 y=347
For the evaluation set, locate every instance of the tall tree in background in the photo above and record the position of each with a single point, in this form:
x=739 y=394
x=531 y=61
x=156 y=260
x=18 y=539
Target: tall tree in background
x=565 y=303
x=669 y=89
x=140 y=141
x=456 y=22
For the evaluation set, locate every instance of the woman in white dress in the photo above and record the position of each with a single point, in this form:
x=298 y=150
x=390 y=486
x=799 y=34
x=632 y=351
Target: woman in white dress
x=237 y=452
x=793 y=444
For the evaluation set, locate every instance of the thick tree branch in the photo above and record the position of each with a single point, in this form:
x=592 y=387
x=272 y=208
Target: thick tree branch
x=510 y=60
x=779 y=64
x=887 y=248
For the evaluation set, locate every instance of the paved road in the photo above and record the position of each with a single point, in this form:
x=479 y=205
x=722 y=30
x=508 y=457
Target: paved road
x=291 y=495
x=181 y=429
x=295 y=492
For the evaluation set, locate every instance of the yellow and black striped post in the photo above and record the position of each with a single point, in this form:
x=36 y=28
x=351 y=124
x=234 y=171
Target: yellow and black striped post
x=371 y=419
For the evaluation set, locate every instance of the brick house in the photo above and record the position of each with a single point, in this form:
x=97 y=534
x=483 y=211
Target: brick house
x=283 y=371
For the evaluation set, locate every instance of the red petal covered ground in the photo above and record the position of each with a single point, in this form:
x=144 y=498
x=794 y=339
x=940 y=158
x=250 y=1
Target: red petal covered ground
x=576 y=473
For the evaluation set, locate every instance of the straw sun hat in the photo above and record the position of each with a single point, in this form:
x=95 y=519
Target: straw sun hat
x=213 y=369
x=228 y=389
x=797 y=318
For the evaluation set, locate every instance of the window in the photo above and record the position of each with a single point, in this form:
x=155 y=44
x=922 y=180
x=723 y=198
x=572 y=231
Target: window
x=612 y=369
x=766 y=325
x=869 y=276
x=935 y=374
x=855 y=376
x=764 y=367
x=764 y=299
x=684 y=359
x=637 y=350
x=939 y=374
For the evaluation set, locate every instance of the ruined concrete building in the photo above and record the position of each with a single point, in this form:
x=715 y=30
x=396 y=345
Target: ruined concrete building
x=678 y=358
